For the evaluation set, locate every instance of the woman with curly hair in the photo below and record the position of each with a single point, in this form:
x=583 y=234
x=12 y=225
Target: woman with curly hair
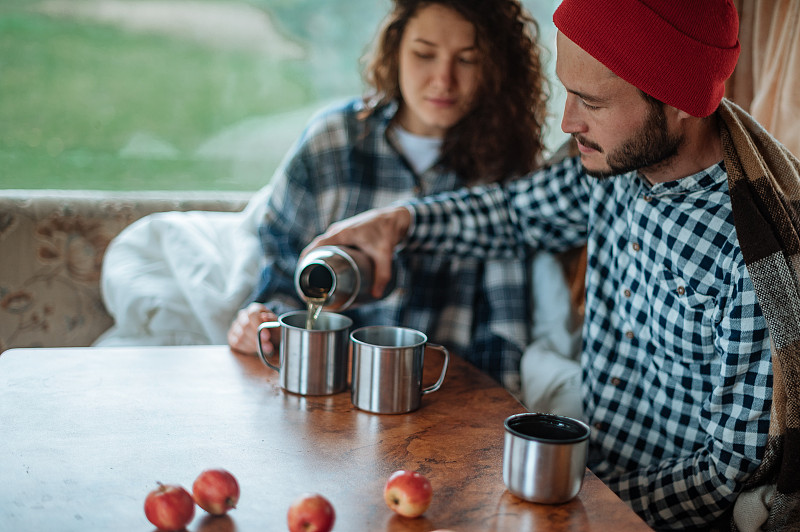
x=485 y=143
x=456 y=97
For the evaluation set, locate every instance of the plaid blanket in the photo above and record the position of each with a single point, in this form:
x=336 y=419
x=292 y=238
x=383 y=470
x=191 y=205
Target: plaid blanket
x=764 y=183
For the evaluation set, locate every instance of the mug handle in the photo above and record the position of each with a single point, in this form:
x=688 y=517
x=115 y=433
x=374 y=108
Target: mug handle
x=266 y=325
x=439 y=382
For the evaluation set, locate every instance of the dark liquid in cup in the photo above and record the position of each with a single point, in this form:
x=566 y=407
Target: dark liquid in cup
x=546 y=427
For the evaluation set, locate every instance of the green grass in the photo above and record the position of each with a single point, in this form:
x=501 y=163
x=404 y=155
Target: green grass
x=85 y=105
x=75 y=96
x=80 y=169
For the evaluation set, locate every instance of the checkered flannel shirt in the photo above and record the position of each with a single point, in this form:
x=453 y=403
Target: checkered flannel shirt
x=342 y=166
x=676 y=357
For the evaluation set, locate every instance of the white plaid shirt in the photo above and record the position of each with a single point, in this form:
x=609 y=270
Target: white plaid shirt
x=342 y=166
x=676 y=356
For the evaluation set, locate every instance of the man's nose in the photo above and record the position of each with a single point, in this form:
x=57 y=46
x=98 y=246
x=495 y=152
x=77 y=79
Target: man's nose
x=572 y=121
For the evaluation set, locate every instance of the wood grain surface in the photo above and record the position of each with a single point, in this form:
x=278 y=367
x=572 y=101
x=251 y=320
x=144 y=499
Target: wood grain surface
x=88 y=432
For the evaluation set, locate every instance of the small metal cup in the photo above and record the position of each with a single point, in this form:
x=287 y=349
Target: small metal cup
x=387 y=369
x=312 y=362
x=544 y=458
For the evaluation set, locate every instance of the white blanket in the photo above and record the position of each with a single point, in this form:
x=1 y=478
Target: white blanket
x=550 y=368
x=178 y=278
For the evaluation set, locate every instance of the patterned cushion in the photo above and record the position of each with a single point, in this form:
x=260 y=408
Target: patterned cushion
x=51 y=252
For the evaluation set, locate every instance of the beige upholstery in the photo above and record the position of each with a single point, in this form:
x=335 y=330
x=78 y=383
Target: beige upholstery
x=51 y=252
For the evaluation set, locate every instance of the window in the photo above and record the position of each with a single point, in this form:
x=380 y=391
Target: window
x=175 y=94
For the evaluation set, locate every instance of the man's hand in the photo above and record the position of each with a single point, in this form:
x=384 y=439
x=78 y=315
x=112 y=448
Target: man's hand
x=243 y=332
x=376 y=232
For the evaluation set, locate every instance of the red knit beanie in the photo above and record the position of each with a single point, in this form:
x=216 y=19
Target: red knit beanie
x=677 y=51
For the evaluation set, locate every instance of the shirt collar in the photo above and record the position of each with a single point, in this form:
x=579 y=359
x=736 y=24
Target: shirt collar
x=702 y=180
x=388 y=111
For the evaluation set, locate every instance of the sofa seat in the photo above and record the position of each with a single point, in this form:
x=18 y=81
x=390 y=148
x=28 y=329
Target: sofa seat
x=52 y=245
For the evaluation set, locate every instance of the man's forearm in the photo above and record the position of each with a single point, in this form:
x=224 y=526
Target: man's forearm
x=474 y=222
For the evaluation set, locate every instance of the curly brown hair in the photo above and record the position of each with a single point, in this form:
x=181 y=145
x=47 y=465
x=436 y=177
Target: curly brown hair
x=501 y=137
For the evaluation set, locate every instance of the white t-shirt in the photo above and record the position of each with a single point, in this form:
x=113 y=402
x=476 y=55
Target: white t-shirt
x=421 y=152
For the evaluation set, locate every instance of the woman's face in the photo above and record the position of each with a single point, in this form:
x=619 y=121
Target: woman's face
x=439 y=71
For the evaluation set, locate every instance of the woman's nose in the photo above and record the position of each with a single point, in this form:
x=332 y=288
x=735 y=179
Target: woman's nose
x=443 y=74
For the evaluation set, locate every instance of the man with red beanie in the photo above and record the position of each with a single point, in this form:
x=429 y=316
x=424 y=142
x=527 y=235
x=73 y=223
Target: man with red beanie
x=691 y=338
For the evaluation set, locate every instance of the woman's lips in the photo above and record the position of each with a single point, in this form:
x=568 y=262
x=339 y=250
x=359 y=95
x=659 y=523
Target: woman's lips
x=442 y=102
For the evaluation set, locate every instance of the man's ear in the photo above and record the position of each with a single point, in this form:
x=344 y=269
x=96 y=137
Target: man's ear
x=675 y=115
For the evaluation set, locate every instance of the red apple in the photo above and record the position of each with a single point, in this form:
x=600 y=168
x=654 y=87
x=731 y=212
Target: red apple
x=169 y=507
x=311 y=513
x=216 y=491
x=408 y=493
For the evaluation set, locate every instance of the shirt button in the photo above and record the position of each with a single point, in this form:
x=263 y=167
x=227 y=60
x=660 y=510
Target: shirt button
x=636 y=246
x=647 y=198
x=681 y=290
x=616 y=381
x=627 y=293
x=598 y=425
x=629 y=335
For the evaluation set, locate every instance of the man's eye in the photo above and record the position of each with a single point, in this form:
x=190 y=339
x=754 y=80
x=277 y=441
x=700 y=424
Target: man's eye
x=588 y=106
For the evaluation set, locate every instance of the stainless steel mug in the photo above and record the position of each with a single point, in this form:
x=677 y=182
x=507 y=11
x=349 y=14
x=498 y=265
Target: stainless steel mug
x=544 y=457
x=386 y=376
x=311 y=362
x=342 y=276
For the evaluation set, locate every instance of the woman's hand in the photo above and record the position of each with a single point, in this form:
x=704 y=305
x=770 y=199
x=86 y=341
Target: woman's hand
x=376 y=232
x=243 y=332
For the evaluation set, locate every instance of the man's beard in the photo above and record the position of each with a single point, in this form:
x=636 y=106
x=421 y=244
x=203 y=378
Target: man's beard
x=649 y=147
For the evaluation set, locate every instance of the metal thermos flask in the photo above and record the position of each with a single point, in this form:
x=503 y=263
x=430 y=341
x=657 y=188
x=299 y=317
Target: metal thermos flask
x=342 y=275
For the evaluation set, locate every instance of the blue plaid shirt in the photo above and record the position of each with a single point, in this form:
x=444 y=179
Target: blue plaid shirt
x=676 y=355
x=342 y=166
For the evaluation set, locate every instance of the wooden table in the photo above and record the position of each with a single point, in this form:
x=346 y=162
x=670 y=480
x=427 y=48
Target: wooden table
x=87 y=433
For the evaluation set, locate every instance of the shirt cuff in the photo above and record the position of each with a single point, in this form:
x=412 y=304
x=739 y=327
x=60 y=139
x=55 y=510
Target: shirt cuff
x=411 y=225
